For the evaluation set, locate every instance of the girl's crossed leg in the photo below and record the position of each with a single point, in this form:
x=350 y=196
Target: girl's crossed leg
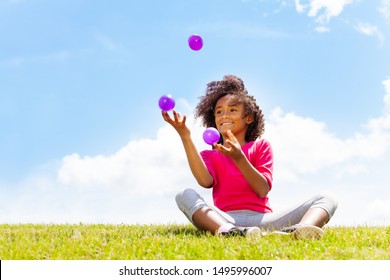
x=313 y=214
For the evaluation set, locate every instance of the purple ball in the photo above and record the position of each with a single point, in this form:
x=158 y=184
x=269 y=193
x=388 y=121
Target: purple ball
x=211 y=135
x=195 y=42
x=166 y=102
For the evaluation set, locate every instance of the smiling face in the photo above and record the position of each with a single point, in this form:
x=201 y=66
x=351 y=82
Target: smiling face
x=230 y=115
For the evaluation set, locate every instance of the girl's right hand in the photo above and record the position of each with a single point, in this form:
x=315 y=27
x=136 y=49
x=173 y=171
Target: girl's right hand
x=178 y=122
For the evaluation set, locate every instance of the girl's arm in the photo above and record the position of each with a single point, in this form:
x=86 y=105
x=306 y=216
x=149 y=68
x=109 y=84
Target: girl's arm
x=195 y=161
x=254 y=178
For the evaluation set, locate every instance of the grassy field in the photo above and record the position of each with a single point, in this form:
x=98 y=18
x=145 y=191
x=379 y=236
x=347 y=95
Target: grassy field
x=178 y=242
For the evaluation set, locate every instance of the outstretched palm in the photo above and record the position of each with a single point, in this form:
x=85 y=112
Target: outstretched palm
x=232 y=148
x=178 y=122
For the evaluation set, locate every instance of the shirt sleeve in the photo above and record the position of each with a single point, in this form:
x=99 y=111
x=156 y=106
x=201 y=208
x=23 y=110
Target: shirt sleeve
x=264 y=160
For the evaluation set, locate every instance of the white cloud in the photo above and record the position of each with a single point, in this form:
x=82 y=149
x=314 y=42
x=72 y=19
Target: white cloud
x=137 y=184
x=311 y=147
x=322 y=10
x=382 y=123
x=299 y=7
x=386 y=99
x=384 y=8
x=331 y=8
x=370 y=30
x=377 y=210
x=308 y=143
x=322 y=29
x=142 y=167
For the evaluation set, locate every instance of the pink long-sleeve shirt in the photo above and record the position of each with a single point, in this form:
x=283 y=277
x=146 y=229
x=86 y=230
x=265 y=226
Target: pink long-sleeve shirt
x=231 y=191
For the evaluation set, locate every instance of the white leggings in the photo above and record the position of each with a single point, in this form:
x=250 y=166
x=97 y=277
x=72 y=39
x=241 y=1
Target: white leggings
x=189 y=201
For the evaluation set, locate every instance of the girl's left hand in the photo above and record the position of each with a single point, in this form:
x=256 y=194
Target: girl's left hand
x=232 y=149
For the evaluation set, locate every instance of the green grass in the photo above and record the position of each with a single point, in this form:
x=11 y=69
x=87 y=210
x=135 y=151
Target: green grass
x=178 y=242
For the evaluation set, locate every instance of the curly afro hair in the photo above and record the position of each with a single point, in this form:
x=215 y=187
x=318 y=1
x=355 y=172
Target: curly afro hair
x=230 y=85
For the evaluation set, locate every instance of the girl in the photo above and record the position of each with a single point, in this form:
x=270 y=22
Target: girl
x=239 y=170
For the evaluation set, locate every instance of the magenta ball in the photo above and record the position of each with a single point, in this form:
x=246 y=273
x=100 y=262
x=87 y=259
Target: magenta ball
x=195 y=42
x=166 y=102
x=211 y=135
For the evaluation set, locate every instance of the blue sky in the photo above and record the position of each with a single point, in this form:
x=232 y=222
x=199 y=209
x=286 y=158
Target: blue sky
x=82 y=135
